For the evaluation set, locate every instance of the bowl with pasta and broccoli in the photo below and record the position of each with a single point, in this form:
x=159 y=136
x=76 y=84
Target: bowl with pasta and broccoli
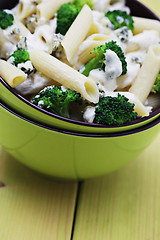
x=83 y=65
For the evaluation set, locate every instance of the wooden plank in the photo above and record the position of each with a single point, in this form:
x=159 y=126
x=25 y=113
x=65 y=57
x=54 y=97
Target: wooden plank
x=124 y=205
x=32 y=206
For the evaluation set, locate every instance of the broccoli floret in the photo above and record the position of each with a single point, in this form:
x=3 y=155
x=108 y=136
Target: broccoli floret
x=6 y=19
x=57 y=100
x=120 y=19
x=156 y=86
x=81 y=3
x=99 y=60
x=114 y=111
x=19 y=56
x=65 y=17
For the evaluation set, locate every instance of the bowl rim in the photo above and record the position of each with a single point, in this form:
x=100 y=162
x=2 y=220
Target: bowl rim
x=87 y=124
x=79 y=134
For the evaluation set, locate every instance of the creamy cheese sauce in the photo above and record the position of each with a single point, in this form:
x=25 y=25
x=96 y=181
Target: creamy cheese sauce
x=100 y=77
x=145 y=39
x=132 y=69
x=33 y=84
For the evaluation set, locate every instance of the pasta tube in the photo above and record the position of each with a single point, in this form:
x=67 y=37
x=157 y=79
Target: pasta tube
x=85 y=49
x=47 y=9
x=79 y=30
x=143 y=84
x=25 y=9
x=65 y=75
x=141 y=24
x=131 y=47
x=11 y=74
x=23 y=30
x=2 y=38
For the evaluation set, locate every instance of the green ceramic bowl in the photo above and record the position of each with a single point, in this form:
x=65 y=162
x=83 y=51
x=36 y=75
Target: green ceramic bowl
x=27 y=109
x=69 y=155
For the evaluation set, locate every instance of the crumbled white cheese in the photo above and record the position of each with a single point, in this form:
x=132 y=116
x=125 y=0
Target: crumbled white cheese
x=40 y=103
x=11 y=60
x=103 y=84
x=22 y=44
x=89 y=114
x=113 y=65
x=120 y=19
x=138 y=58
x=57 y=47
x=124 y=34
x=26 y=67
x=31 y=23
x=63 y=88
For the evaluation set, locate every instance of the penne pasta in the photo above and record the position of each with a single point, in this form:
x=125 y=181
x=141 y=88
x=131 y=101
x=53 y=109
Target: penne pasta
x=65 y=75
x=11 y=74
x=25 y=9
x=43 y=37
x=85 y=49
x=131 y=47
x=2 y=39
x=6 y=46
x=143 y=84
x=141 y=24
x=101 y=5
x=79 y=30
x=47 y=9
x=23 y=30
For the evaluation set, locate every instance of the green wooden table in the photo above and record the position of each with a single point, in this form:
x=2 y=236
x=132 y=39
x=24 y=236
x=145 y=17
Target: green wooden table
x=124 y=205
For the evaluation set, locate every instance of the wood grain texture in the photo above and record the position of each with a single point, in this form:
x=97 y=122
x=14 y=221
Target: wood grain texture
x=32 y=206
x=124 y=205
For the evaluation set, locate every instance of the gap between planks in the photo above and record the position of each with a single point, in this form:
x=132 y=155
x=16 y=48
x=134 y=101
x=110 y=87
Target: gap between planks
x=123 y=205
x=32 y=206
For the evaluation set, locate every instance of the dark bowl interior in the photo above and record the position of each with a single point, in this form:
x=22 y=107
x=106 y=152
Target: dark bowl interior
x=137 y=9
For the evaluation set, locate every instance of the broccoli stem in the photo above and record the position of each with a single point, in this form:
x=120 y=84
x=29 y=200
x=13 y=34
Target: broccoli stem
x=92 y=64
